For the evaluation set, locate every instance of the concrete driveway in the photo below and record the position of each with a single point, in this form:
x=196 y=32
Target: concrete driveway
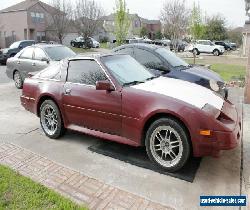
x=215 y=176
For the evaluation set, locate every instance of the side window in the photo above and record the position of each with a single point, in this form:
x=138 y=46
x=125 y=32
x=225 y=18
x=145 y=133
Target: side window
x=39 y=54
x=86 y=72
x=128 y=51
x=26 y=44
x=27 y=53
x=148 y=59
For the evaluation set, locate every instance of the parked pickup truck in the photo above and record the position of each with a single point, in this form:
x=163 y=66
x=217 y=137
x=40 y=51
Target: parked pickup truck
x=206 y=46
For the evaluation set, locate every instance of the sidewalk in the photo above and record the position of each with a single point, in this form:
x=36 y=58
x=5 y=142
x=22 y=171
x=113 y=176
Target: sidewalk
x=70 y=183
x=246 y=152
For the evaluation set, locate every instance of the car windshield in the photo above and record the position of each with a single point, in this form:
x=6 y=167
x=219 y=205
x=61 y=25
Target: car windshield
x=58 y=53
x=126 y=69
x=14 y=45
x=171 y=58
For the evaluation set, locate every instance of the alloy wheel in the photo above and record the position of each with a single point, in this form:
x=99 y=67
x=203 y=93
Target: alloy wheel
x=18 y=80
x=49 y=119
x=166 y=146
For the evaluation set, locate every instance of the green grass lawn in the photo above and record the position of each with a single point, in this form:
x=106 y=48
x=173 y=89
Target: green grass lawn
x=19 y=192
x=104 y=45
x=81 y=50
x=226 y=71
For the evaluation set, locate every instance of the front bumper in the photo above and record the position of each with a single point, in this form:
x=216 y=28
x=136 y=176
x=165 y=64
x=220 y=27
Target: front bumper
x=3 y=58
x=224 y=93
x=226 y=134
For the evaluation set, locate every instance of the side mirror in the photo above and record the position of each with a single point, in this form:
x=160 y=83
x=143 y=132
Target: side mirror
x=104 y=85
x=45 y=59
x=20 y=46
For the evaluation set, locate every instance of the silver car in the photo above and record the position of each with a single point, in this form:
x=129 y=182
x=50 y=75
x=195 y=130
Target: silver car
x=35 y=58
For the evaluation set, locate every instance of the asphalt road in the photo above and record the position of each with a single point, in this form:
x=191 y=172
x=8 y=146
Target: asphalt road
x=3 y=77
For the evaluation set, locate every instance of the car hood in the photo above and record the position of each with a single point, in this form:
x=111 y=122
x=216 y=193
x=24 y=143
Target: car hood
x=190 y=93
x=5 y=50
x=204 y=73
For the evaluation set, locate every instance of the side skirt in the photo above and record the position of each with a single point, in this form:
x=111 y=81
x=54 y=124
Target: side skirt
x=102 y=135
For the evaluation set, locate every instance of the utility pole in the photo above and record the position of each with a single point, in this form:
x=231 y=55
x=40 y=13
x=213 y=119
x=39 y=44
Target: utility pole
x=247 y=85
x=247 y=42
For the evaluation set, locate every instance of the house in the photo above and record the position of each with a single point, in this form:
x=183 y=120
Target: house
x=137 y=22
x=27 y=20
x=153 y=26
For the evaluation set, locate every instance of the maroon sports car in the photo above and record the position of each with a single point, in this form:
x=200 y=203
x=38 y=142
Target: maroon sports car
x=114 y=97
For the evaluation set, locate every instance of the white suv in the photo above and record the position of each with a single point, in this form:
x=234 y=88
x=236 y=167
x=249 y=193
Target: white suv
x=206 y=46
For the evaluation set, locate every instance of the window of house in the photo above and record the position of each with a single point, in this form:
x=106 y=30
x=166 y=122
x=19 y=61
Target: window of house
x=86 y=72
x=137 y=24
x=37 y=17
x=27 y=53
x=40 y=36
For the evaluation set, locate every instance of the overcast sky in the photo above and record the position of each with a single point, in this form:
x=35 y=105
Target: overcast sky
x=232 y=10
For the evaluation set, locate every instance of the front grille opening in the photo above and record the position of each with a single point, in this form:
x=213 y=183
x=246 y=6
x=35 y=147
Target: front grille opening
x=223 y=117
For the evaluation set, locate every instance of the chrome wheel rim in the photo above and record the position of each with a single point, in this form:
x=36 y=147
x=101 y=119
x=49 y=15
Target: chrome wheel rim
x=17 y=79
x=166 y=146
x=49 y=119
x=216 y=53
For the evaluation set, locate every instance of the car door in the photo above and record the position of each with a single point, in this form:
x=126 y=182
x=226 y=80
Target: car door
x=40 y=60
x=209 y=47
x=87 y=107
x=24 y=62
x=201 y=46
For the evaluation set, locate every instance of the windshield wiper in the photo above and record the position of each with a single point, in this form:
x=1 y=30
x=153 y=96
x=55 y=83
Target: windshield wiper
x=182 y=67
x=133 y=83
x=151 y=78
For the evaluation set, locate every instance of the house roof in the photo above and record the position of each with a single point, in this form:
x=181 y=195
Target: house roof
x=25 y=5
x=111 y=17
x=147 y=21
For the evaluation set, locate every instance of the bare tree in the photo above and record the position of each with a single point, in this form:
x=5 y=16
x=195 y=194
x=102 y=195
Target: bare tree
x=61 y=18
x=88 y=18
x=175 y=18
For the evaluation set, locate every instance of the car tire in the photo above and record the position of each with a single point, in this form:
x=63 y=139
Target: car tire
x=167 y=144
x=216 y=52
x=18 y=80
x=196 y=52
x=73 y=44
x=51 y=120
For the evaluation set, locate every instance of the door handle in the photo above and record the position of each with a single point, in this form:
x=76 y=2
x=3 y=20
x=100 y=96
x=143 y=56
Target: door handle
x=33 y=64
x=67 y=91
